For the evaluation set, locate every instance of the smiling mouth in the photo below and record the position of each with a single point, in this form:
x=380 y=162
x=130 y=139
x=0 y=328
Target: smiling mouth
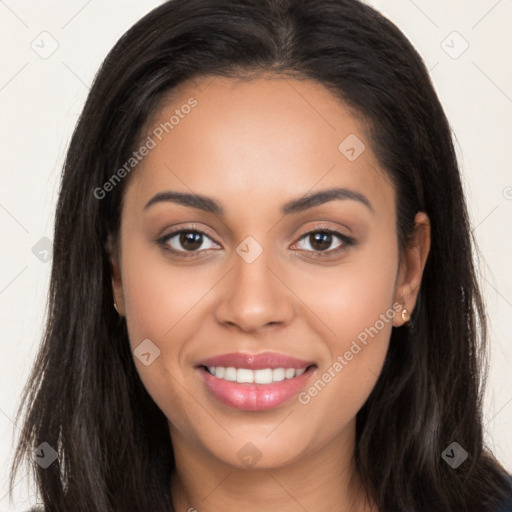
x=257 y=389
x=248 y=376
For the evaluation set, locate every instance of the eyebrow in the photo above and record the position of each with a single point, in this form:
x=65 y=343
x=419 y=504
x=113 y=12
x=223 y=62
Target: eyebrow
x=208 y=204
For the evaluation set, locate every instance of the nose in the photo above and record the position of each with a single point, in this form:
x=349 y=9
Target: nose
x=255 y=294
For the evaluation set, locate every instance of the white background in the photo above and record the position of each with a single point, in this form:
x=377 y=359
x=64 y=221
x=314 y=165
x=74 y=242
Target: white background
x=41 y=99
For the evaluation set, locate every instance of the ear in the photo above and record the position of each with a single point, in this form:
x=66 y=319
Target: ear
x=412 y=266
x=117 y=287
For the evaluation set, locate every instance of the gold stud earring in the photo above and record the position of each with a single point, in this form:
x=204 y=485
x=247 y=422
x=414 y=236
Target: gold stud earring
x=405 y=316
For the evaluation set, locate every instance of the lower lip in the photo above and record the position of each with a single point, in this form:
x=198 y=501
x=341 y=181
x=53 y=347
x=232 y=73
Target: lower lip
x=254 y=397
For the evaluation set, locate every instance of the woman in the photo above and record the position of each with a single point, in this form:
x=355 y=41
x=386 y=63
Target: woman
x=262 y=293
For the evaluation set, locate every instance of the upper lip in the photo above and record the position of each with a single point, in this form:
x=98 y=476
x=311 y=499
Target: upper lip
x=256 y=361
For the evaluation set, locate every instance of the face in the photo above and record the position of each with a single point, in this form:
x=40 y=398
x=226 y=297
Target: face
x=284 y=278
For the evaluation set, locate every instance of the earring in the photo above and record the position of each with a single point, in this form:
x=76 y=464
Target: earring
x=115 y=307
x=405 y=316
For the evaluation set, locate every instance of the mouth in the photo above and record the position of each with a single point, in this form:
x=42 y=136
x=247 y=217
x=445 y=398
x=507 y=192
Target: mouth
x=248 y=376
x=255 y=382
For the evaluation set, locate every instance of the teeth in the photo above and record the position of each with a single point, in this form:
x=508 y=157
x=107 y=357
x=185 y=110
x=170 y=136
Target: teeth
x=230 y=374
x=244 y=375
x=264 y=376
x=289 y=373
x=278 y=374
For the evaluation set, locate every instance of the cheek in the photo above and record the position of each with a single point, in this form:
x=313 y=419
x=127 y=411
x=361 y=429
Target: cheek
x=160 y=300
x=355 y=305
x=159 y=294
x=351 y=297
x=160 y=304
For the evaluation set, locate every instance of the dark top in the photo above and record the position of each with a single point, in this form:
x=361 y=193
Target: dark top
x=506 y=504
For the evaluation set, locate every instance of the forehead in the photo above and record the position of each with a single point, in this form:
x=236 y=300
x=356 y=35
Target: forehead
x=258 y=141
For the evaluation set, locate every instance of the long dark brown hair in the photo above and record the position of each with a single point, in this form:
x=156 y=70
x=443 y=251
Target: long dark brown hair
x=84 y=396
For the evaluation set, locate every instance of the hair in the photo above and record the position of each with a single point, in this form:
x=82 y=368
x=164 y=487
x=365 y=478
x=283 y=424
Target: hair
x=84 y=396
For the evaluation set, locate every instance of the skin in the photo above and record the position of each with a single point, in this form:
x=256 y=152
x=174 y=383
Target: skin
x=253 y=146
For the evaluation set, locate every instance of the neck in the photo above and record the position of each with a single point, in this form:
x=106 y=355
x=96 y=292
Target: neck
x=326 y=480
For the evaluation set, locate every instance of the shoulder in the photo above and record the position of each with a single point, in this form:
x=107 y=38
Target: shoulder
x=504 y=506
x=506 y=503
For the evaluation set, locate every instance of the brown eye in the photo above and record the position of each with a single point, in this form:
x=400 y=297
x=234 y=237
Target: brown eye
x=187 y=240
x=190 y=240
x=322 y=240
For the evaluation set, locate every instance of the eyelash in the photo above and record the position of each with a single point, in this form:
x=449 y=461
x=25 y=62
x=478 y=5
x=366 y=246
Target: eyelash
x=347 y=241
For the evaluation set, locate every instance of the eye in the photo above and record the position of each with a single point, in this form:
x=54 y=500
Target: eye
x=185 y=241
x=320 y=240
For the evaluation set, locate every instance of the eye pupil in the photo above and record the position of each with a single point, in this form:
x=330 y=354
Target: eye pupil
x=191 y=240
x=322 y=240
